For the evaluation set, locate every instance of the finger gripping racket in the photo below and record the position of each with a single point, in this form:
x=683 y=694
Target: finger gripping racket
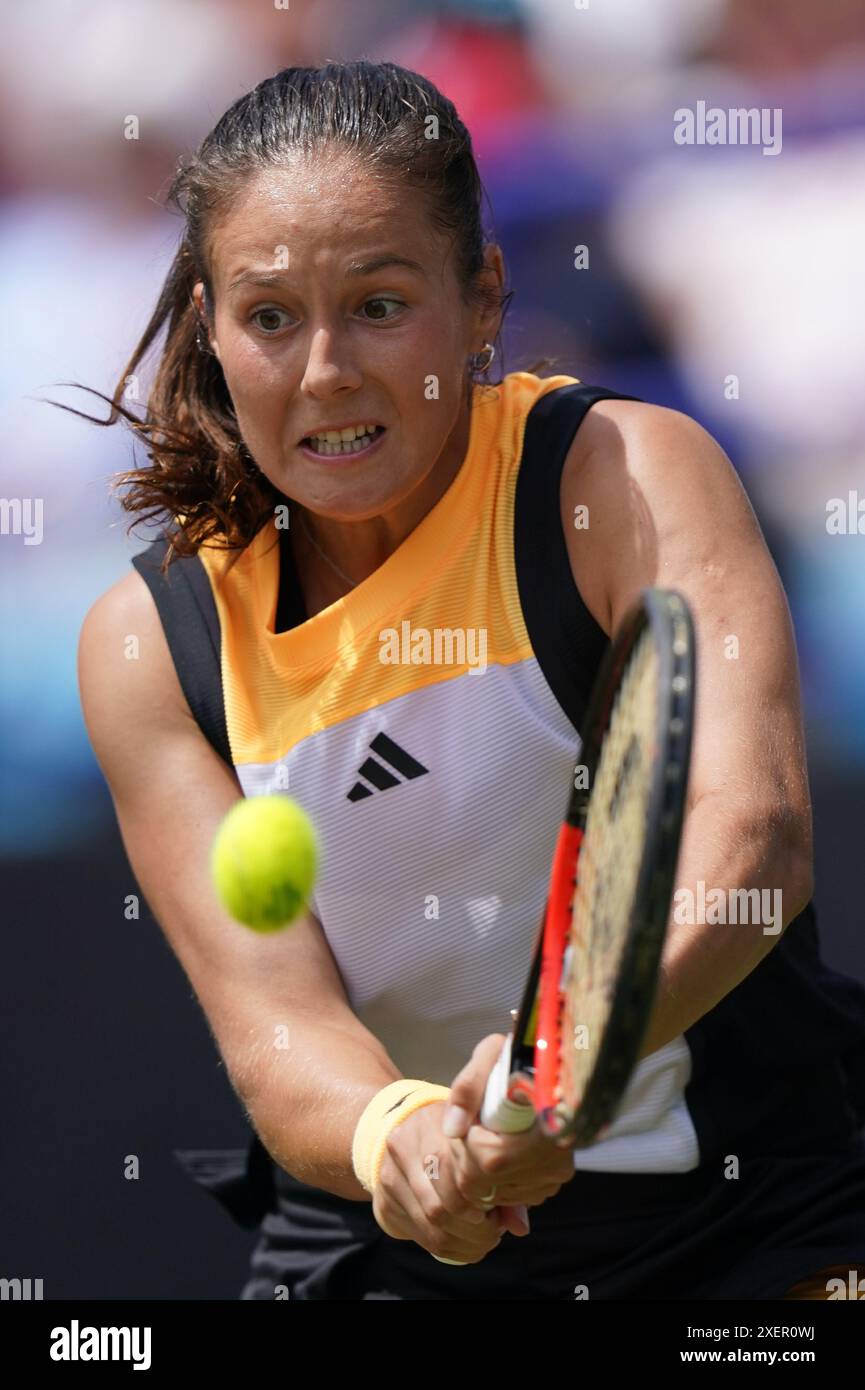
x=589 y=995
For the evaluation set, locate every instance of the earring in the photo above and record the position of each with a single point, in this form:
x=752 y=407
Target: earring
x=482 y=361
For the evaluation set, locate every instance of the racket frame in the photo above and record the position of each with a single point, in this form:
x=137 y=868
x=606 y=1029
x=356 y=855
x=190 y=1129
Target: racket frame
x=532 y=1056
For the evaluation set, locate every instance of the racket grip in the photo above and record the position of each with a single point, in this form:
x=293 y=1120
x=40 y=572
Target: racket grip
x=498 y=1112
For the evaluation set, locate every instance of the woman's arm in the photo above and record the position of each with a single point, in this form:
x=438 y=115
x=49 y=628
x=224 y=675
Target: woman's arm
x=299 y=1058
x=666 y=508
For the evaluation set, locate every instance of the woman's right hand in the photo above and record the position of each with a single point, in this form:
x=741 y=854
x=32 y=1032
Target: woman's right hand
x=416 y=1196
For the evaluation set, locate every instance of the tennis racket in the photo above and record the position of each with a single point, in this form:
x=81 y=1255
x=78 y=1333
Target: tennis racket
x=590 y=990
x=586 y=1006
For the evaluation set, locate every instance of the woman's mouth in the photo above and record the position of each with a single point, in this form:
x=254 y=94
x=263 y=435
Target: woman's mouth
x=327 y=446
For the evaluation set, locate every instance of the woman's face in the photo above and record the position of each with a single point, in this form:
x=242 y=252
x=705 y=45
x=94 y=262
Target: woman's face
x=342 y=333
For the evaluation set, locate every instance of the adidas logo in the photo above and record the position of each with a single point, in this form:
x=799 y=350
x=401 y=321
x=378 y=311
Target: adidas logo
x=380 y=775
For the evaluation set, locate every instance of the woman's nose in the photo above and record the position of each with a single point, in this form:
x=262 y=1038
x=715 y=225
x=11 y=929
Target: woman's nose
x=329 y=364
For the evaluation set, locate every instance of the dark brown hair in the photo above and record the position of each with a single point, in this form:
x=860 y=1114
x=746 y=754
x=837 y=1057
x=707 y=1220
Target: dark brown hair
x=201 y=474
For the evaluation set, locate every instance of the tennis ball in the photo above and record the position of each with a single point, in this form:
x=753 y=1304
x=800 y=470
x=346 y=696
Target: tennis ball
x=264 y=861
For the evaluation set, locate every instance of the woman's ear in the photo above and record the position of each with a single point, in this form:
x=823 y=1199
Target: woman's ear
x=201 y=300
x=492 y=278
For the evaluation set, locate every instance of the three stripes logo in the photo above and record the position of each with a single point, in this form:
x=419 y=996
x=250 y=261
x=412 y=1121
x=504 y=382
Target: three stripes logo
x=380 y=774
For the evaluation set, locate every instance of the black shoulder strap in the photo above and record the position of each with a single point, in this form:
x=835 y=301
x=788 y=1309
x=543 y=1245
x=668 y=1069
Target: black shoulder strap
x=566 y=640
x=187 y=610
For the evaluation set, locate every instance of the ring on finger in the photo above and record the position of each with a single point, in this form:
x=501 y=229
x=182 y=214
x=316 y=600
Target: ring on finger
x=489 y=1200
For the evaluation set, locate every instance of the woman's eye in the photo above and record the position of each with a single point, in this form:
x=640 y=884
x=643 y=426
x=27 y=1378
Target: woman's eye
x=271 y=313
x=268 y=318
x=383 y=300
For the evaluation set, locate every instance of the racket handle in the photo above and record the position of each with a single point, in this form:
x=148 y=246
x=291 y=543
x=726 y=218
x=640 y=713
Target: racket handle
x=498 y=1112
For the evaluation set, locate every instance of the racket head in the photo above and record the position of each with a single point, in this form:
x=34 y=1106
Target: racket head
x=612 y=883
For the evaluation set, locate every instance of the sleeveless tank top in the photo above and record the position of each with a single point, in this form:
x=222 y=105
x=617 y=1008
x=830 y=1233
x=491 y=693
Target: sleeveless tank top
x=429 y=722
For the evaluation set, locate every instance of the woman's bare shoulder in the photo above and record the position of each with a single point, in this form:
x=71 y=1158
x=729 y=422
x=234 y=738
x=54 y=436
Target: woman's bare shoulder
x=126 y=676
x=625 y=456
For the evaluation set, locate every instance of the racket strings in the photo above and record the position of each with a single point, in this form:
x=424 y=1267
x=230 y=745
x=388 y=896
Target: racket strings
x=608 y=870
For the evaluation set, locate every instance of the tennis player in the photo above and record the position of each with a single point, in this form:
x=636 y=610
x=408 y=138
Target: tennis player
x=384 y=585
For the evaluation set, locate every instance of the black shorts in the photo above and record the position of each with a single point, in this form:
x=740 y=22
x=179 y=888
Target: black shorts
x=696 y=1235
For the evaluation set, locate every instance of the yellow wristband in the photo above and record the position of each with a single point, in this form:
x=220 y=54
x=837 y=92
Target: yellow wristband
x=387 y=1109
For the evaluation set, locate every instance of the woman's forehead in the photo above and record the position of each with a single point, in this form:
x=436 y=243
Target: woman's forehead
x=321 y=189
x=289 y=222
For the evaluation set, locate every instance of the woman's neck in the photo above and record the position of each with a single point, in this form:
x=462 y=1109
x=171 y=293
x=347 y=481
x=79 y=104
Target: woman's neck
x=333 y=557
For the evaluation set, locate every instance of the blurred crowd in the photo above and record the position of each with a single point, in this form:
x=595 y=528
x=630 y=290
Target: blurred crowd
x=720 y=279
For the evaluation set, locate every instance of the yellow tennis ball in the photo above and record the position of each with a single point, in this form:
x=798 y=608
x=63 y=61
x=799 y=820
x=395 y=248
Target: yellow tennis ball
x=264 y=861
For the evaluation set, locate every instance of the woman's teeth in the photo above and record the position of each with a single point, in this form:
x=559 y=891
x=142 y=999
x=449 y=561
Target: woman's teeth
x=349 y=441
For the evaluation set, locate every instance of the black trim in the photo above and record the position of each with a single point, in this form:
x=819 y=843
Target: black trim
x=187 y=611
x=567 y=641
x=290 y=605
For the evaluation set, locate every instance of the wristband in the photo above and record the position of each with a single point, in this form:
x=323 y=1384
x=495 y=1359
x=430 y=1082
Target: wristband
x=387 y=1109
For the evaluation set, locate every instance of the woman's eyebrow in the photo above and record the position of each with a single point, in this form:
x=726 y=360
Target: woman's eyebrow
x=358 y=268
x=355 y=270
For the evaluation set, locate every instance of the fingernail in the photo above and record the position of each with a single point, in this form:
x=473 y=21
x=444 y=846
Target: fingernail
x=523 y=1215
x=455 y=1122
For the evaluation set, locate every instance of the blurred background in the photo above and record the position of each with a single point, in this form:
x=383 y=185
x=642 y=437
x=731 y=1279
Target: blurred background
x=722 y=280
